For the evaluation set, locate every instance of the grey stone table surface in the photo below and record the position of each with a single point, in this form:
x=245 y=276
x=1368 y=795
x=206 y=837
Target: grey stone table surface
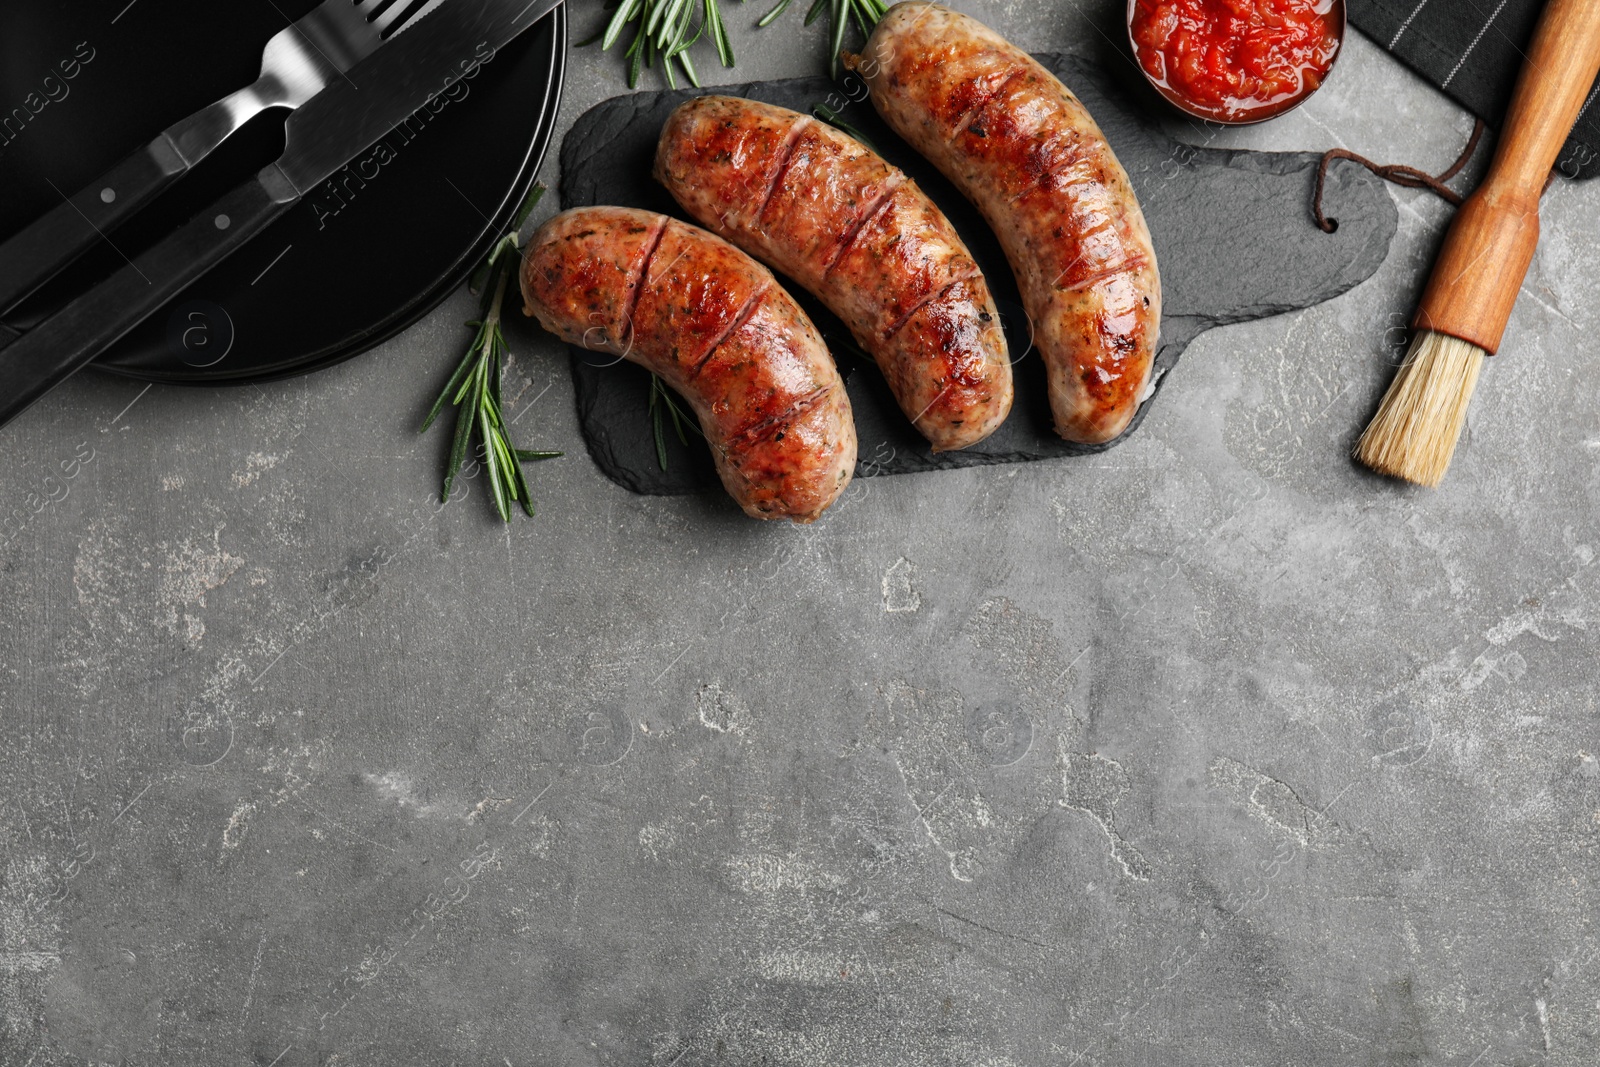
x=1212 y=749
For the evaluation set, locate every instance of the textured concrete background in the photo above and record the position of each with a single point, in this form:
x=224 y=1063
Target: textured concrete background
x=1210 y=750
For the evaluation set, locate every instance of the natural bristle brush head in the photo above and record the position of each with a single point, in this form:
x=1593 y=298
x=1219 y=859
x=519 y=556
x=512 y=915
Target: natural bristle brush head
x=1414 y=434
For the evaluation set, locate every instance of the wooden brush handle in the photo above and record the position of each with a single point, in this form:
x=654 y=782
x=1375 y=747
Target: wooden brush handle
x=1490 y=245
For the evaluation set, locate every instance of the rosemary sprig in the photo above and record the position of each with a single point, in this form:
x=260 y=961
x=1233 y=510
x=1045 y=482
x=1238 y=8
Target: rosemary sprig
x=661 y=403
x=663 y=32
x=474 y=388
x=865 y=14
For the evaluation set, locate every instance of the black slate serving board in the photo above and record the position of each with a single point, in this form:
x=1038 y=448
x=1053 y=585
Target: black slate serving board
x=1233 y=233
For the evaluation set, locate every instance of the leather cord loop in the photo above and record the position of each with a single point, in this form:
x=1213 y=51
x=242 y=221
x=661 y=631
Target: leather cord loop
x=1410 y=177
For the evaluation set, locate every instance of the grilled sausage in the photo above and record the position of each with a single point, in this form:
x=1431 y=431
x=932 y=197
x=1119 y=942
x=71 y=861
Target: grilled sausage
x=717 y=327
x=830 y=213
x=1023 y=149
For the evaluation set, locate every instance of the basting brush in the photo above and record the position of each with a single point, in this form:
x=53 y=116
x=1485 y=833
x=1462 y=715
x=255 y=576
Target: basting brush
x=1486 y=255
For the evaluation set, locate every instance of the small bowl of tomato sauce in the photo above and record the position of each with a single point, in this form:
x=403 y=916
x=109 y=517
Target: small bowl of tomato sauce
x=1236 y=61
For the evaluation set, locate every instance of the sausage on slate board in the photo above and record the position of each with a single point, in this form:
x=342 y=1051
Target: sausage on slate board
x=830 y=213
x=717 y=327
x=1022 y=148
x=1233 y=230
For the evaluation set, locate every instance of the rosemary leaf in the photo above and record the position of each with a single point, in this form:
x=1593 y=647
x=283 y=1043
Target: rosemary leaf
x=661 y=400
x=679 y=419
x=529 y=202
x=455 y=379
x=719 y=33
x=666 y=29
x=655 y=419
x=519 y=484
x=627 y=11
x=458 y=452
x=480 y=276
x=841 y=22
x=474 y=389
x=767 y=19
x=492 y=465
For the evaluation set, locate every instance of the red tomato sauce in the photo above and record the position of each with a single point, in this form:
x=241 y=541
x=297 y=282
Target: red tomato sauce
x=1237 y=59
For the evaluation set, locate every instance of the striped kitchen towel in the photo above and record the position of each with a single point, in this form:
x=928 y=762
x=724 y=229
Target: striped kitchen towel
x=1472 y=49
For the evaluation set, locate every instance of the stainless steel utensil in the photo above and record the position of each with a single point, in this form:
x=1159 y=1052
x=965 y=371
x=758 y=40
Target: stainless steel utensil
x=298 y=62
x=333 y=127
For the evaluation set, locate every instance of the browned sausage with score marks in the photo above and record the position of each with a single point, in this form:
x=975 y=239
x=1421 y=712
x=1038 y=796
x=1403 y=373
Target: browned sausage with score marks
x=830 y=213
x=717 y=327
x=1022 y=148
